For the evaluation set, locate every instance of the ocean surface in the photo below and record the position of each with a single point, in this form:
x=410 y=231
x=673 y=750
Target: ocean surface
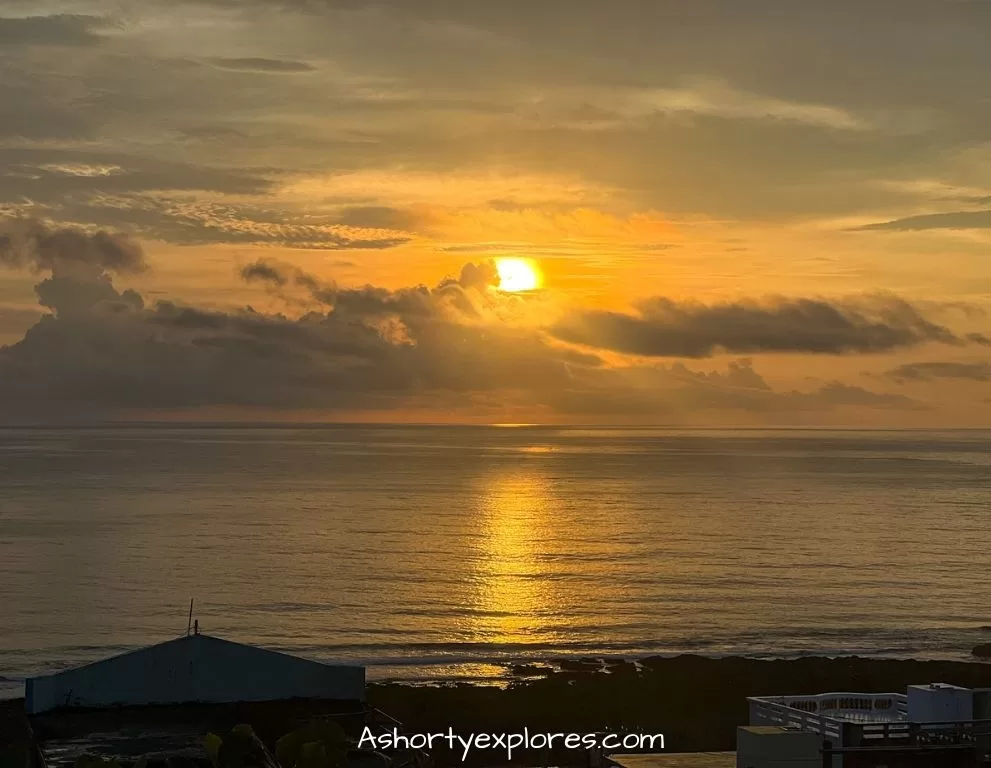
x=438 y=552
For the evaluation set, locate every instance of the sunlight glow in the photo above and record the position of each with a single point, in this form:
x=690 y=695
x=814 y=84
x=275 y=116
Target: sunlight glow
x=512 y=598
x=517 y=275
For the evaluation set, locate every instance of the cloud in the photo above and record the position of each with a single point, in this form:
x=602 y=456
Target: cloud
x=106 y=350
x=77 y=262
x=33 y=245
x=102 y=351
x=117 y=356
x=188 y=220
x=75 y=177
x=29 y=112
x=838 y=393
x=15 y=320
x=951 y=220
x=688 y=123
x=263 y=65
x=698 y=127
x=61 y=29
x=667 y=328
x=264 y=272
x=675 y=390
x=931 y=371
x=712 y=97
x=465 y=296
x=378 y=217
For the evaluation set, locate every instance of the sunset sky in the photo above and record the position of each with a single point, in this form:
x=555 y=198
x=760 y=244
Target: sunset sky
x=772 y=212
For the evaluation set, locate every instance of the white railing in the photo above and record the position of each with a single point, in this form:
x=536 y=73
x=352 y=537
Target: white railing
x=767 y=712
x=827 y=713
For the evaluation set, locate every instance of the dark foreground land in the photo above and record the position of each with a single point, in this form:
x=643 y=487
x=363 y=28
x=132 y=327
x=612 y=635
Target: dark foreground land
x=696 y=702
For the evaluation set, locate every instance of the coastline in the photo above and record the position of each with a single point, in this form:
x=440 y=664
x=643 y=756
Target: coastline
x=696 y=702
x=507 y=670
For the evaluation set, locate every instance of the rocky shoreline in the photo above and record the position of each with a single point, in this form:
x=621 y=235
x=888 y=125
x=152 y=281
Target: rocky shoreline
x=697 y=702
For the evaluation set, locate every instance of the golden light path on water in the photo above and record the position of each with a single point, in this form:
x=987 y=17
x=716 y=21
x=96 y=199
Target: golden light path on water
x=430 y=553
x=514 y=595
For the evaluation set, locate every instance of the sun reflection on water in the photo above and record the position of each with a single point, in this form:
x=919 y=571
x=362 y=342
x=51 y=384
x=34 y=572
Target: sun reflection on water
x=514 y=598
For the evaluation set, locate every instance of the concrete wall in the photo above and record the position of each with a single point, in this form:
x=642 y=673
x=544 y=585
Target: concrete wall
x=198 y=668
x=768 y=746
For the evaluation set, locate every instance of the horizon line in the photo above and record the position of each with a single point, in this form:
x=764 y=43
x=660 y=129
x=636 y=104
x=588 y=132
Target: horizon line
x=473 y=425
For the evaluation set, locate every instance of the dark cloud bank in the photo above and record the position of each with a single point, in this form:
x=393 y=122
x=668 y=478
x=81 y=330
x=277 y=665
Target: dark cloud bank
x=665 y=328
x=101 y=352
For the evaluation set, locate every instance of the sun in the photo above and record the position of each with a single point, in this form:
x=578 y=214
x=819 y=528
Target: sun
x=517 y=275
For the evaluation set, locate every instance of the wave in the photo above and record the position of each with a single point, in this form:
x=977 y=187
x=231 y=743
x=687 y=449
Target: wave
x=446 y=660
x=821 y=640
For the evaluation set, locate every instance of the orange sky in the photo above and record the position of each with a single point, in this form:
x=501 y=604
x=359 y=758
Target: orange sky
x=734 y=225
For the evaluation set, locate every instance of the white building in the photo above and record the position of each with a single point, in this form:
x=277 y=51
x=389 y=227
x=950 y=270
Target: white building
x=194 y=668
x=932 y=725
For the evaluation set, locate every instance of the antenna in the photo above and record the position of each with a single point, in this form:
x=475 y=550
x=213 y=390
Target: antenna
x=189 y=624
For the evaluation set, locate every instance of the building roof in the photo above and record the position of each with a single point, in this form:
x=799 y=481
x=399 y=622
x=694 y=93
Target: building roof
x=194 y=668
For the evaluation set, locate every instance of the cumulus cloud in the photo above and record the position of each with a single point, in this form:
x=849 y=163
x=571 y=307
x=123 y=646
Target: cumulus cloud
x=666 y=328
x=103 y=351
x=31 y=244
x=367 y=345
x=466 y=294
x=77 y=263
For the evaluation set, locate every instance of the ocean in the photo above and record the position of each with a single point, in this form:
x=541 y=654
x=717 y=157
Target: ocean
x=432 y=553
